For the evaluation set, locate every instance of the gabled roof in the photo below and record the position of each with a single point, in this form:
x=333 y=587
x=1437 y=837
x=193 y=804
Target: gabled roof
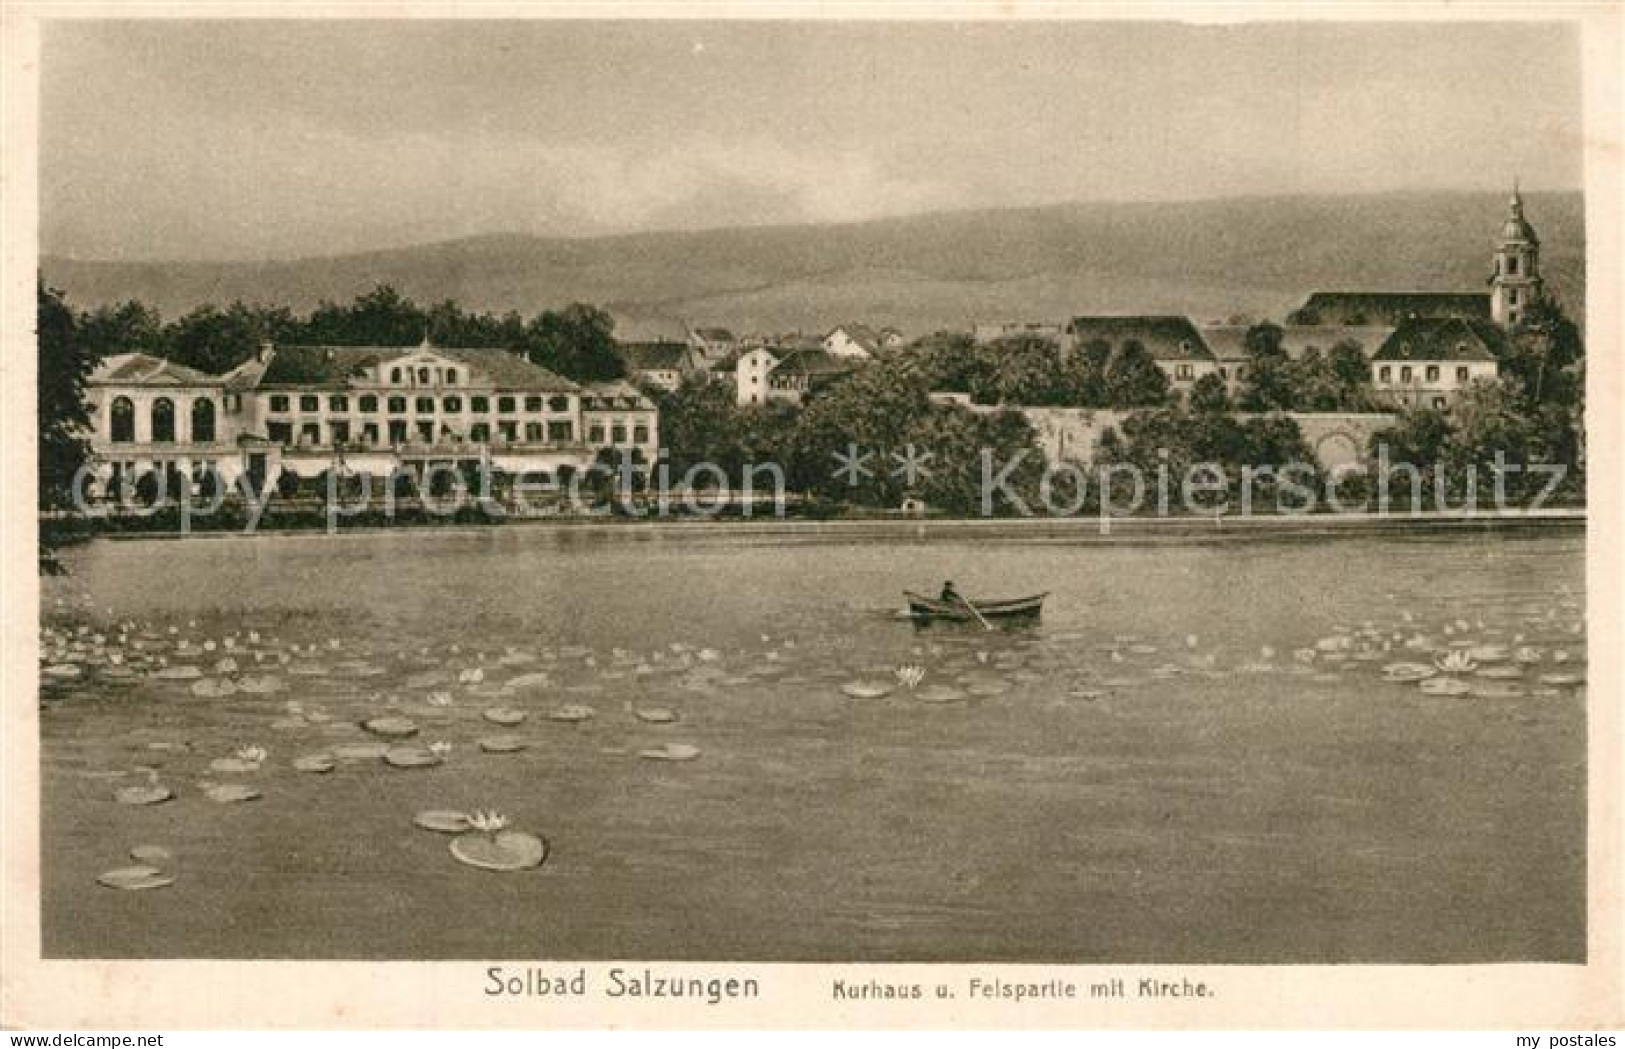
x=861 y=334
x=1443 y=339
x=143 y=369
x=813 y=363
x=339 y=366
x=616 y=394
x=1391 y=307
x=325 y=365
x=715 y=334
x=655 y=356
x=1229 y=341
x=1166 y=338
x=509 y=370
x=246 y=376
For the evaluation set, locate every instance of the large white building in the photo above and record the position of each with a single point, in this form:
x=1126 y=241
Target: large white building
x=310 y=409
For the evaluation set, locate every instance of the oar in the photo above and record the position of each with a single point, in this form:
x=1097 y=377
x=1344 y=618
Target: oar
x=966 y=602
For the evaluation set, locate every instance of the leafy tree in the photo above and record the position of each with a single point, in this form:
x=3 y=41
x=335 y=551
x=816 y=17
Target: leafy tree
x=1267 y=385
x=65 y=362
x=1027 y=370
x=577 y=342
x=1312 y=384
x=125 y=327
x=951 y=361
x=213 y=340
x=1275 y=440
x=1132 y=378
x=380 y=317
x=1419 y=439
x=1542 y=355
x=1351 y=367
x=1210 y=394
x=1486 y=419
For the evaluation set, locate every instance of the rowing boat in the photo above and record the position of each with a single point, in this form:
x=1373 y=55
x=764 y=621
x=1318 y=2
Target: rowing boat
x=922 y=607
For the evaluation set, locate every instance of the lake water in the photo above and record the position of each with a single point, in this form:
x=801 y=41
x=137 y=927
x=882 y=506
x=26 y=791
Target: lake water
x=1194 y=756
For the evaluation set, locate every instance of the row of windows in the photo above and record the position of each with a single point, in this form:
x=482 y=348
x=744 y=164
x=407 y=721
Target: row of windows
x=162 y=420
x=368 y=403
x=423 y=431
x=1407 y=373
x=424 y=376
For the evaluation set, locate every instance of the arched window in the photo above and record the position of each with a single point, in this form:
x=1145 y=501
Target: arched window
x=395 y=376
x=202 y=420
x=163 y=421
x=423 y=376
x=123 y=421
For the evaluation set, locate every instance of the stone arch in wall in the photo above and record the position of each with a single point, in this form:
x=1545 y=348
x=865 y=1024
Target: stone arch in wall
x=1337 y=448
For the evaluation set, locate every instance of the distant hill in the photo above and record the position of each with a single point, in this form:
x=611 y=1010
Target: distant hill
x=1209 y=259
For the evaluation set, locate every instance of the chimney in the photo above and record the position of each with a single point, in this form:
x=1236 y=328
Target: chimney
x=263 y=353
x=327 y=355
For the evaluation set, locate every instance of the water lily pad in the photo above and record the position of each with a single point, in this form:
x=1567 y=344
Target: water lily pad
x=504 y=851
x=149 y=794
x=316 y=763
x=133 y=879
x=655 y=715
x=233 y=765
x=442 y=821
x=1408 y=672
x=940 y=694
x=502 y=744
x=571 y=712
x=259 y=684
x=524 y=681
x=290 y=724
x=178 y=673
x=411 y=757
x=1562 y=679
x=865 y=690
x=152 y=855
x=1489 y=653
x=228 y=793
x=1445 y=686
x=987 y=688
x=63 y=671
x=391 y=727
x=1497 y=690
x=1500 y=673
x=671 y=752
x=504 y=716
x=361 y=752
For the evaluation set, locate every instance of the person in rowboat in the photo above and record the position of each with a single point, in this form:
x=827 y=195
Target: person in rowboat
x=949 y=595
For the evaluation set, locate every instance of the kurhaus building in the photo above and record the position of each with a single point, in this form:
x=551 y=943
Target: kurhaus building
x=311 y=409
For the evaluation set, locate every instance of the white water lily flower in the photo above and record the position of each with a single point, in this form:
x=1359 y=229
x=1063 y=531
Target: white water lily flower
x=440 y=699
x=1457 y=662
x=910 y=675
x=487 y=822
x=440 y=748
x=252 y=755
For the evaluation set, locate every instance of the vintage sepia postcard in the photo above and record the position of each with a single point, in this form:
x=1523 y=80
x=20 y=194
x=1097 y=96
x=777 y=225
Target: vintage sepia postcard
x=828 y=516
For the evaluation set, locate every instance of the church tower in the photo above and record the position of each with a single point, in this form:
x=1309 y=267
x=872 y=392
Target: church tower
x=1515 y=284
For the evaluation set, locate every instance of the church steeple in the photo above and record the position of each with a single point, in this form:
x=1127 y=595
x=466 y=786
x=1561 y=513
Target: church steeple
x=1516 y=283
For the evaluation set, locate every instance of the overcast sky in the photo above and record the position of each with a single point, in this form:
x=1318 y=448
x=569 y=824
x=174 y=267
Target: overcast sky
x=245 y=139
